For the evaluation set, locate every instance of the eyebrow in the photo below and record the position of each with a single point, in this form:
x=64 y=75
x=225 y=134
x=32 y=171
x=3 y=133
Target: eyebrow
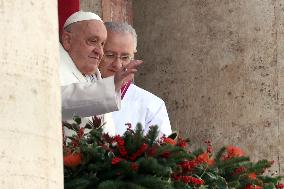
x=93 y=37
x=113 y=52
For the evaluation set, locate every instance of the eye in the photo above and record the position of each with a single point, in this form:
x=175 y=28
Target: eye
x=125 y=58
x=110 y=56
x=92 y=41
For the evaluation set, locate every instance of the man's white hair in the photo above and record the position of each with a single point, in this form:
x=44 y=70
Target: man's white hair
x=122 y=27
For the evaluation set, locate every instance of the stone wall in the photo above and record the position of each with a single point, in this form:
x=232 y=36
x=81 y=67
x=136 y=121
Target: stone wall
x=110 y=10
x=31 y=133
x=219 y=67
x=92 y=6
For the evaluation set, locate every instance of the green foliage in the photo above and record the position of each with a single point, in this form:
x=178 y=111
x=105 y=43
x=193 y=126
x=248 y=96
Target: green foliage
x=152 y=166
x=138 y=161
x=119 y=185
x=152 y=135
x=149 y=181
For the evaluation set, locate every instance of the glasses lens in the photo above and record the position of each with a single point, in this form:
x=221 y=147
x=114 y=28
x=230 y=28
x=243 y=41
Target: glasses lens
x=125 y=58
x=113 y=57
x=110 y=56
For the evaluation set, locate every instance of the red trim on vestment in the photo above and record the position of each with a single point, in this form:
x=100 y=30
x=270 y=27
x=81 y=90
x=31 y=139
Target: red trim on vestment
x=124 y=88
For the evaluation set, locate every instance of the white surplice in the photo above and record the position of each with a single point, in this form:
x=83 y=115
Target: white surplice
x=86 y=96
x=141 y=106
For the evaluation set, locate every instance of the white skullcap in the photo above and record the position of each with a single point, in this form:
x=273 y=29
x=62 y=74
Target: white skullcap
x=81 y=16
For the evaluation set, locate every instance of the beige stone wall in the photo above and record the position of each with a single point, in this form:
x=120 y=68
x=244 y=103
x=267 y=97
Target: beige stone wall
x=219 y=67
x=30 y=137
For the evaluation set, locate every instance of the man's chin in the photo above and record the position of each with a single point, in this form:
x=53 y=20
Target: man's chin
x=91 y=70
x=110 y=73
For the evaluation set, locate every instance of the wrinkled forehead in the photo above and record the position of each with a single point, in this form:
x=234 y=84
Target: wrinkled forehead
x=90 y=28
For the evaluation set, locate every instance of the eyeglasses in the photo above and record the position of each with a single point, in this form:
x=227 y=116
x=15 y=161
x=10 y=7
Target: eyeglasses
x=113 y=57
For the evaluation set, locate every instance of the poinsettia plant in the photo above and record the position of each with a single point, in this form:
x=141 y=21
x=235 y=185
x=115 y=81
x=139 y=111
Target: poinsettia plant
x=95 y=160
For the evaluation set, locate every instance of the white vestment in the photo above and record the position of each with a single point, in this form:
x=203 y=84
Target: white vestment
x=86 y=96
x=141 y=106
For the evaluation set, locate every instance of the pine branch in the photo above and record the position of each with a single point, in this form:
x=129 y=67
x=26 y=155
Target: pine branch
x=152 y=135
x=154 y=182
x=119 y=185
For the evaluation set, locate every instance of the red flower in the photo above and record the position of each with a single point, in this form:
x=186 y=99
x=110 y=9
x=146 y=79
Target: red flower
x=143 y=148
x=240 y=170
x=175 y=177
x=166 y=154
x=107 y=138
x=80 y=133
x=116 y=160
x=185 y=179
x=75 y=143
x=249 y=186
x=121 y=147
x=190 y=179
x=252 y=176
x=188 y=165
x=119 y=140
x=139 y=152
x=72 y=159
x=280 y=186
x=204 y=158
x=76 y=140
x=209 y=147
x=170 y=141
x=197 y=181
x=182 y=143
x=152 y=151
x=233 y=151
x=97 y=121
x=122 y=151
x=134 y=166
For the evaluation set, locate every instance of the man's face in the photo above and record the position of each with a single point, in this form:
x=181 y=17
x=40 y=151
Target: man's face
x=119 y=49
x=84 y=43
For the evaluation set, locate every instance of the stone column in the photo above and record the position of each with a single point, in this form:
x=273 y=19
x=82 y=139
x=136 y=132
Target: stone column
x=92 y=6
x=219 y=67
x=110 y=10
x=31 y=133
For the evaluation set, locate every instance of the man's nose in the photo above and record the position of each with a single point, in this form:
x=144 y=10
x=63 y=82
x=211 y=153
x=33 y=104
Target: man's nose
x=117 y=63
x=99 y=50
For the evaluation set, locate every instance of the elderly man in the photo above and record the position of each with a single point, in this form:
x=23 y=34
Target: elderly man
x=137 y=105
x=84 y=93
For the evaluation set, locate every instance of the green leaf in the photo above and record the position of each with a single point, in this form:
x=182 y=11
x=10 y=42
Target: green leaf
x=211 y=176
x=79 y=183
x=110 y=155
x=77 y=119
x=173 y=135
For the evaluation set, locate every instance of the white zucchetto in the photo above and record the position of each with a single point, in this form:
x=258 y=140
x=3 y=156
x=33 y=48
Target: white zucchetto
x=81 y=16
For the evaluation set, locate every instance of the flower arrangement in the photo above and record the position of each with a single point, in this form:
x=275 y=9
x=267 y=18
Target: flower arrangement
x=95 y=160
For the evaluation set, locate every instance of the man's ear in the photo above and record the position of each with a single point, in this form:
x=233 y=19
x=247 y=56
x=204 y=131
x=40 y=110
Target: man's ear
x=66 y=40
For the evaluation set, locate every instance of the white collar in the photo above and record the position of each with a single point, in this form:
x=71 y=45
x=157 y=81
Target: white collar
x=67 y=63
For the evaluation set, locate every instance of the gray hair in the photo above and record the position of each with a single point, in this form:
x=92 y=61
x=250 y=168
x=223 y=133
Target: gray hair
x=122 y=27
x=68 y=28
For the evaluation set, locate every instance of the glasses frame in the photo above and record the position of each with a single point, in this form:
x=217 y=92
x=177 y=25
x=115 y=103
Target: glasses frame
x=112 y=57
